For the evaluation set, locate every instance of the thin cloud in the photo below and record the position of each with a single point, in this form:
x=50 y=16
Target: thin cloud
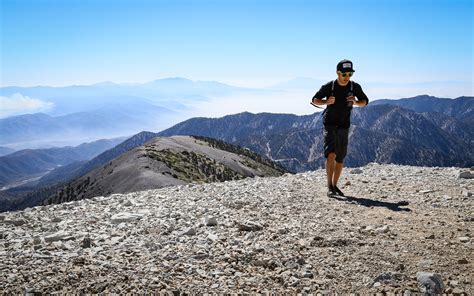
x=19 y=104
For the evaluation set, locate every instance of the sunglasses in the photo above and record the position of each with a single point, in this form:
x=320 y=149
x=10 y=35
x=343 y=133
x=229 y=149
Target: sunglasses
x=346 y=74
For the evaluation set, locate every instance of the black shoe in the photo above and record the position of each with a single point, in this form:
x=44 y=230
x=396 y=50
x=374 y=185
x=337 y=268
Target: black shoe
x=331 y=192
x=337 y=191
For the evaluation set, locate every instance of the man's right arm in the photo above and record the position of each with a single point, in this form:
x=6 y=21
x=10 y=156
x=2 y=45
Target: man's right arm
x=324 y=92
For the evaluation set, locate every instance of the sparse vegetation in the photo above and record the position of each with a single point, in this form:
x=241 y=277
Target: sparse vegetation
x=241 y=151
x=193 y=167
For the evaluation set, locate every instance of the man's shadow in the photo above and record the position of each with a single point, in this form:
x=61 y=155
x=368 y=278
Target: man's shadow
x=373 y=203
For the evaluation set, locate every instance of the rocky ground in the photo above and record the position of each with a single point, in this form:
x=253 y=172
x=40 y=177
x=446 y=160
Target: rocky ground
x=260 y=235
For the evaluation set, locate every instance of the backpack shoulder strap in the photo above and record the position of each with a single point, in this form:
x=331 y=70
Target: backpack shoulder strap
x=332 y=88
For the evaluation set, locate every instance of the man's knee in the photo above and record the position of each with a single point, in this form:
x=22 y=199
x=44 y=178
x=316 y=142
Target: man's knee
x=340 y=158
x=331 y=156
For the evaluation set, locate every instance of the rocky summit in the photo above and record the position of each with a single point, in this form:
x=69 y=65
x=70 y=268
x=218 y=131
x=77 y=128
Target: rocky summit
x=400 y=230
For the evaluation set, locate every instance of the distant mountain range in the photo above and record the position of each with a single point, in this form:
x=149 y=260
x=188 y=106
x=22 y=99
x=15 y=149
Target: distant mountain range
x=115 y=120
x=414 y=131
x=23 y=165
x=385 y=133
x=461 y=108
x=169 y=92
x=102 y=110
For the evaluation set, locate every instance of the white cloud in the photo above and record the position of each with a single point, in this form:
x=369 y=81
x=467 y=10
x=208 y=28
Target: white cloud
x=19 y=104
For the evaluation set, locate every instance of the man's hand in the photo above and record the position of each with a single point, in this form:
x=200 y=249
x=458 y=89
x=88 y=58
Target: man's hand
x=330 y=100
x=351 y=99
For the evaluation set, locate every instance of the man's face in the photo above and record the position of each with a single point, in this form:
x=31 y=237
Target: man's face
x=344 y=76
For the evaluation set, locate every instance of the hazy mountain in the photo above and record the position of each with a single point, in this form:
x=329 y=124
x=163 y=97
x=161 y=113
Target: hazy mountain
x=114 y=120
x=5 y=151
x=23 y=165
x=380 y=133
x=461 y=108
x=169 y=92
x=164 y=162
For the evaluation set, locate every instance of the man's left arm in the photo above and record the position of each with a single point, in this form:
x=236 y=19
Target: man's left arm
x=362 y=99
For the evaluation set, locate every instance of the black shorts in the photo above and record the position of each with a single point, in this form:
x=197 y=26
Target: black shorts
x=336 y=140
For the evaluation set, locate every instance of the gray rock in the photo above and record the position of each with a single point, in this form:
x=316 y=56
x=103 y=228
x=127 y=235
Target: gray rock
x=387 y=278
x=58 y=236
x=249 y=226
x=464 y=239
x=429 y=282
x=18 y=222
x=190 y=231
x=212 y=237
x=210 y=221
x=128 y=203
x=356 y=171
x=466 y=175
x=125 y=217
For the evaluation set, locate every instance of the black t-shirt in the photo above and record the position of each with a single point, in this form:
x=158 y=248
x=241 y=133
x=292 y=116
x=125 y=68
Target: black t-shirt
x=339 y=113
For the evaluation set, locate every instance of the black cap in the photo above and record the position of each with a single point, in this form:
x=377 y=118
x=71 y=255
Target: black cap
x=345 y=66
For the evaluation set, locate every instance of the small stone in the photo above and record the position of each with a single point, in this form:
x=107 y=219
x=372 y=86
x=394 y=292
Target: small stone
x=463 y=261
x=466 y=193
x=86 y=243
x=376 y=285
x=212 y=237
x=125 y=217
x=457 y=291
x=383 y=229
x=249 y=226
x=32 y=292
x=190 y=231
x=464 y=239
x=58 y=236
x=430 y=282
x=466 y=175
x=14 y=222
x=430 y=237
x=356 y=171
x=12 y=278
x=128 y=203
x=210 y=221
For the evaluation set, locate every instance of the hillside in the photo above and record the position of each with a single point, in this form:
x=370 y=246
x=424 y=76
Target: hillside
x=21 y=166
x=256 y=235
x=163 y=162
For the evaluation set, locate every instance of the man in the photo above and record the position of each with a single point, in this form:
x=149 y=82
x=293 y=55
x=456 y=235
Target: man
x=339 y=96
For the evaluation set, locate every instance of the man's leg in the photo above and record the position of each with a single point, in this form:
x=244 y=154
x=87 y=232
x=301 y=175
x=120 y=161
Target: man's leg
x=330 y=168
x=337 y=172
x=341 y=151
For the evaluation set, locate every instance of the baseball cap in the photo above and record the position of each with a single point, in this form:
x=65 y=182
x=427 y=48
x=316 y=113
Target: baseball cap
x=345 y=66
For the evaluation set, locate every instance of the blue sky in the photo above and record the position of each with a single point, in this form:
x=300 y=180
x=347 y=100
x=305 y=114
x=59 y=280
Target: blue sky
x=246 y=43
